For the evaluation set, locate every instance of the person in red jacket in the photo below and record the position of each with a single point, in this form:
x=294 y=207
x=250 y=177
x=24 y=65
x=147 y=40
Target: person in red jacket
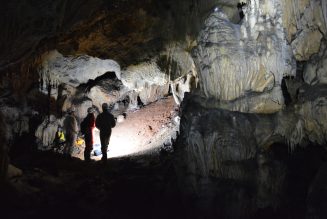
x=87 y=127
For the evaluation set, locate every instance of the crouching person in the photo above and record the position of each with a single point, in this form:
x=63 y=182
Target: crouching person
x=104 y=122
x=71 y=130
x=87 y=127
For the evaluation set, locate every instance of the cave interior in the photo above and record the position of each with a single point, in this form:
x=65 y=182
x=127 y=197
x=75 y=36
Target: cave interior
x=220 y=108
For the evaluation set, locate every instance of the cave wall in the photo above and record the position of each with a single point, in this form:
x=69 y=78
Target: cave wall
x=229 y=124
x=251 y=57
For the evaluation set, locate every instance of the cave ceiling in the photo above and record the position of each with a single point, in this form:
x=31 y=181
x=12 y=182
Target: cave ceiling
x=124 y=30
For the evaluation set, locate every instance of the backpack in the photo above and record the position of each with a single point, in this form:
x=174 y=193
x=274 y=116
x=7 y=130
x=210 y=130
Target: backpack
x=84 y=126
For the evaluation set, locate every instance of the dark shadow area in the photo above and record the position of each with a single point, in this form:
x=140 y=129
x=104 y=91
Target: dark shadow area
x=57 y=187
x=286 y=94
x=301 y=168
x=240 y=6
x=91 y=83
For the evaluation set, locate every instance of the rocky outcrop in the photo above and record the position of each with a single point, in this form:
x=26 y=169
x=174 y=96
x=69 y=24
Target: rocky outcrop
x=178 y=63
x=306 y=44
x=305 y=23
x=219 y=147
x=146 y=79
x=107 y=91
x=315 y=69
x=73 y=71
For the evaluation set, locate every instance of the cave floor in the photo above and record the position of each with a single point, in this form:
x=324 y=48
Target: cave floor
x=55 y=187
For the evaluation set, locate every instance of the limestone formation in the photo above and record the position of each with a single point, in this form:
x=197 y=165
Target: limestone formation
x=216 y=145
x=46 y=132
x=236 y=60
x=100 y=95
x=74 y=70
x=306 y=44
x=178 y=63
x=315 y=69
x=146 y=79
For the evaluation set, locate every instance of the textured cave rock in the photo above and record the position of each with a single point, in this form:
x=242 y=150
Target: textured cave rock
x=74 y=70
x=124 y=30
x=46 y=132
x=178 y=63
x=17 y=120
x=217 y=146
x=146 y=79
x=303 y=20
x=108 y=90
x=220 y=160
x=26 y=25
x=306 y=44
x=315 y=69
x=234 y=60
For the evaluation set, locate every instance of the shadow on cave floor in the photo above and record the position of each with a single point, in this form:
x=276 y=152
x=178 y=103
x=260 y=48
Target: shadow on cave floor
x=55 y=187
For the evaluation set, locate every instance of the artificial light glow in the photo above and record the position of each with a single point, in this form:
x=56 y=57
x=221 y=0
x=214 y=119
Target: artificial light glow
x=122 y=145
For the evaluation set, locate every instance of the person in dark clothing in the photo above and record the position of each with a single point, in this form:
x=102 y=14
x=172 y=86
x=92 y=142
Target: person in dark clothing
x=104 y=122
x=88 y=126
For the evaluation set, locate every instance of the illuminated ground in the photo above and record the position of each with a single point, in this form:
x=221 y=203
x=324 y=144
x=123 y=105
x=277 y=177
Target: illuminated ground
x=144 y=130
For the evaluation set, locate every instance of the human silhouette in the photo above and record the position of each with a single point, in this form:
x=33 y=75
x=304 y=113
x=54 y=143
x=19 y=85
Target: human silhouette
x=105 y=122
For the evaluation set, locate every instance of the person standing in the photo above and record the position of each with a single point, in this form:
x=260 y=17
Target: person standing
x=87 y=127
x=105 y=122
x=71 y=130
